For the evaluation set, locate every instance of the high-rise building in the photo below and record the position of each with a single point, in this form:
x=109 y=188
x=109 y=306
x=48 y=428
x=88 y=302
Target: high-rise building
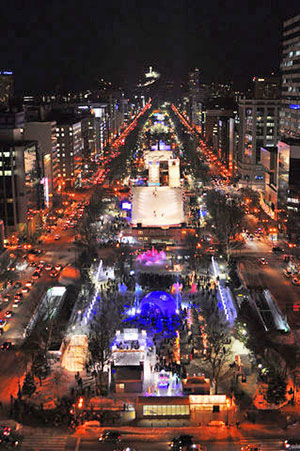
x=20 y=188
x=88 y=131
x=68 y=157
x=290 y=69
x=258 y=127
x=45 y=134
x=6 y=87
x=194 y=97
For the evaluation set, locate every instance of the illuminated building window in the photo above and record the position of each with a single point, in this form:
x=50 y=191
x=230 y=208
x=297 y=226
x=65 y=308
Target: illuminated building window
x=7 y=172
x=166 y=410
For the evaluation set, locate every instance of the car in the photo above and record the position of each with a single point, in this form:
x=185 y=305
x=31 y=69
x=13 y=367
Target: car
x=216 y=423
x=277 y=249
x=36 y=275
x=8 y=314
x=16 y=303
x=6 y=346
x=3 y=323
x=251 y=448
x=287 y=273
x=29 y=283
x=182 y=442
x=18 y=296
x=25 y=290
x=292 y=444
x=18 y=285
x=57 y=237
x=42 y=264
x=48 y=267
x=53 y=273
x=263 y=261
x=296 y=281
x=110 y=436
x=58 y=267
x=7 y=298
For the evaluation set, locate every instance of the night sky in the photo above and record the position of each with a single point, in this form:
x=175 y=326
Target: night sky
x=71 y=43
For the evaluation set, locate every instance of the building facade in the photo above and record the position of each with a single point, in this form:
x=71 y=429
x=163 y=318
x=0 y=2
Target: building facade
x=258 y=127
x=6 y=87
x=45 y=134
x=67 y=159
x=290 y=69
x=20 y=189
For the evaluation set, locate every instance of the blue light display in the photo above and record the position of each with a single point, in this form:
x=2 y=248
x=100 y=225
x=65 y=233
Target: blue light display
x=158 y=303
x=126 y=205
x=294 y=107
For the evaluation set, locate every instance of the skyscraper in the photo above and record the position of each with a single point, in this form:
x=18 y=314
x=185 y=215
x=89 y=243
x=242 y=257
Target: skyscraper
x=6 y=87
x=290 y=68
x=259 y=127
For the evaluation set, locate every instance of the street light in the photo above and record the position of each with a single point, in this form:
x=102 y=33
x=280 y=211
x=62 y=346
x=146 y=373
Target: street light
x=228 y=404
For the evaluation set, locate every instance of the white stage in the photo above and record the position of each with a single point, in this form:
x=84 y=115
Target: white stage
x=159 y=206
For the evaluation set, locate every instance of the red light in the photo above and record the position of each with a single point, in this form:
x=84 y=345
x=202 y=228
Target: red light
x=80 y=403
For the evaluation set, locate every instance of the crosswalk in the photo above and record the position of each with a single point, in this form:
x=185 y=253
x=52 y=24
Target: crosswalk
x=40 y=441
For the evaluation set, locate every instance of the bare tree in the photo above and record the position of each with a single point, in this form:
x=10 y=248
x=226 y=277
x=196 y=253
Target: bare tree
x=217 y=348
x=102 y=333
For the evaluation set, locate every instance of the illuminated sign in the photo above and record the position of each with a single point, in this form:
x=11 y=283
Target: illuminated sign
x=207 y=399
x=294 y=107
x=125 y=205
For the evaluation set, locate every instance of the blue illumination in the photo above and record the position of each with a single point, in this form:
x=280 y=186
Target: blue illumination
x=294 y=107
x=158 y=303
x=126 y=205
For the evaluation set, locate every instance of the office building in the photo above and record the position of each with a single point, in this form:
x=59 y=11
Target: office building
x=6 y=87
x=67 y=159
x=281 y=196
x=88 y=131
x=258 y=127
x=20 y=188
x=290 y=69
x=45 y=134
x=195 y=100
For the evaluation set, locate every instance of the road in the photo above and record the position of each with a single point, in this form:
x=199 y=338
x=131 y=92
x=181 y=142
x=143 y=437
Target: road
x=49 y=442
x=269 y=276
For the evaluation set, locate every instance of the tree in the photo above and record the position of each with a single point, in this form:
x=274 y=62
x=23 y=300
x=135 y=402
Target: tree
x=102 y=332
x=29 y=386
x=191 y=241
x=227 y=217
x=276 y=391
x=217 y=350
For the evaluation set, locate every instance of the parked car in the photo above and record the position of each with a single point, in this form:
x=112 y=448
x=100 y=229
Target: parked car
x=277 y=249
x=296 y=281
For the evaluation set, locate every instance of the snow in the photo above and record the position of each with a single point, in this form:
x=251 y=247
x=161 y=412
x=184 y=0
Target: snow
x=157 y=207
